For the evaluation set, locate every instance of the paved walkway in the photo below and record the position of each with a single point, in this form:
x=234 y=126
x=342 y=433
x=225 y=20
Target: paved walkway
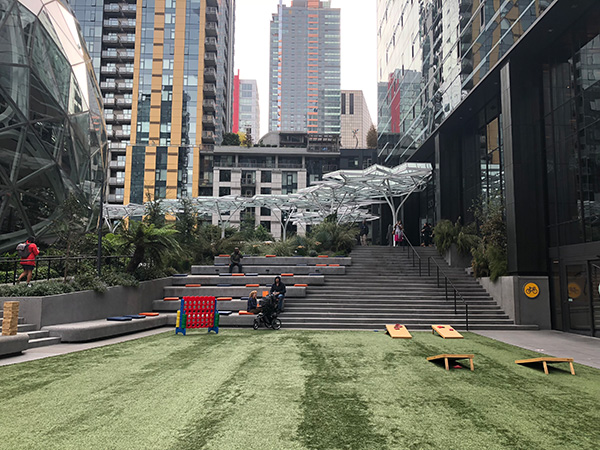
x=583 y=349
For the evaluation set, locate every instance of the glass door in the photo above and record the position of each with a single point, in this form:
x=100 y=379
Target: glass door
x=578 y=309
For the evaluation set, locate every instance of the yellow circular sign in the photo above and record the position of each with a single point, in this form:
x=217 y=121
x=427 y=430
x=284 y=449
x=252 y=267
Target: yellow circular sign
x=574 y=290
x=531 y=290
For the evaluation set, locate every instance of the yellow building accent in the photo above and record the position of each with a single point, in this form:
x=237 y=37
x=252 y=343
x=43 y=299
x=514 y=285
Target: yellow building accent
x=178 y=68
x=200 y=97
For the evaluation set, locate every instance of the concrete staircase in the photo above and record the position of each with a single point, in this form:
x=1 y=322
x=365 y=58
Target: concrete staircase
x=36 y=338
x=382 y=286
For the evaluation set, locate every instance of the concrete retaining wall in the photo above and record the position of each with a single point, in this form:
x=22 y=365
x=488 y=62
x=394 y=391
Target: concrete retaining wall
x=509 y=293
x=89 y=305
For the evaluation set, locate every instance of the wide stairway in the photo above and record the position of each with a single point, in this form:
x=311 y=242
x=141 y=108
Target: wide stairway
x=383 y=286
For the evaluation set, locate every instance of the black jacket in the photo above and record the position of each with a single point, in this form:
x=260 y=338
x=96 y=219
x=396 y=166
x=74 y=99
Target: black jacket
x=278 y=289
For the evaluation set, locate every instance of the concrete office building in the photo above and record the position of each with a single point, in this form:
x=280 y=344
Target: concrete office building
x=166 y=75
x=355 y=118
x=283 y=164
x=304 y=84
x=246 y=107
x=503 y=99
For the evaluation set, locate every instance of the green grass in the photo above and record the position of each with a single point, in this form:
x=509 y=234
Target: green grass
x=296 y=390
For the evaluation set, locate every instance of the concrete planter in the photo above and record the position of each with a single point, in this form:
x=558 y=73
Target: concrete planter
x=509 y=293
x=89 y=305
x=455 y=259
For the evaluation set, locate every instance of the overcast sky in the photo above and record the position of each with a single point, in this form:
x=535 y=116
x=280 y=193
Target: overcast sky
x=359 y=47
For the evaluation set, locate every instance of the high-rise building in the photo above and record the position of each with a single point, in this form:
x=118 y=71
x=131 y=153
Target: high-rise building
x=166 y=75
x=356 y=120
x=246 y=108
x=304 y=88
x=503 y=99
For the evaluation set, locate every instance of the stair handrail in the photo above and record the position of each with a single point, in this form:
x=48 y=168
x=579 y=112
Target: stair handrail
x=414 y=252
x=456 y=291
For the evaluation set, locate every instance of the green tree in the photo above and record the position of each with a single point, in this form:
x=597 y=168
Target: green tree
x=154 y=212
x=372 y=137
x=186 y=222
x=149 y=244
x=231 y=139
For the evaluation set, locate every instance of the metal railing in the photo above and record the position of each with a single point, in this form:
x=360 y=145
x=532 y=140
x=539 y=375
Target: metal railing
x=10 y=266
x=455 y=292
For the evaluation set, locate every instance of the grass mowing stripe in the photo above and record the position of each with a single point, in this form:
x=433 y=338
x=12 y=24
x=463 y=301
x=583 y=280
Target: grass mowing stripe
x=335 y=416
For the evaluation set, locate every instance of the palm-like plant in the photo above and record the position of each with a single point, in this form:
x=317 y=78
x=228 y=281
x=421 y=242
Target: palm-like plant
x=149 y=243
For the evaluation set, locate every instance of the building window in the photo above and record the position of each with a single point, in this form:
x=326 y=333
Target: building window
x=351 y=104
x=225 y=175
x=265 y=177
x=224 y=191
x=343 y=103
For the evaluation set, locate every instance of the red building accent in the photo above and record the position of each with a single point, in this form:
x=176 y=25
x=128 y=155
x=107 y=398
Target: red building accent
x=235 y=128
x=394 y=102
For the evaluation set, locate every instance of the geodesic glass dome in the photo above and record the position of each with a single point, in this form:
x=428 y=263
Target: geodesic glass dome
x=52 y=131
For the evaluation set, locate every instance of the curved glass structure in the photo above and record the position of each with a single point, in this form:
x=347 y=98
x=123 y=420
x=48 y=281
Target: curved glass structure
x=52 y=131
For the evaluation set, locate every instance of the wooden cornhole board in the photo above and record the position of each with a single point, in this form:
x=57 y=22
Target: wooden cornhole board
x=449 y=356
x=398 y=331
x=446 y=331
x=545 y=360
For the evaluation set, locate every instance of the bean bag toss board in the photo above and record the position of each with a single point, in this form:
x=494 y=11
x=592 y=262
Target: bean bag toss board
x=446 y=331
x=545 y=360
x=451 y=357
x=398 y=331
x=197 y=312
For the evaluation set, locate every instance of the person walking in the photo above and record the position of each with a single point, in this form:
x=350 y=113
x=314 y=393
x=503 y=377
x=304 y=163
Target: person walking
x=426 y=232
x=27 y=251
x=235 y=260
x=398 y=233
x=364 y=232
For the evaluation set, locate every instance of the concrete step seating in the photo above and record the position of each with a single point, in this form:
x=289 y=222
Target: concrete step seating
x=296 y=272
x=272 y=270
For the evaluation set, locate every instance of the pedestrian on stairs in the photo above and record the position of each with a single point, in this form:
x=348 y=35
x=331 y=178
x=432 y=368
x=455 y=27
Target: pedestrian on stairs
x=364 y=232
x=398 y=233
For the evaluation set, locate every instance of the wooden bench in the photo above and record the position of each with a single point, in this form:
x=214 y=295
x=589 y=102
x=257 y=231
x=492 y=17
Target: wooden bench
x=450 y=356
x=446 y=331
x=545 y=360
x=398 y=331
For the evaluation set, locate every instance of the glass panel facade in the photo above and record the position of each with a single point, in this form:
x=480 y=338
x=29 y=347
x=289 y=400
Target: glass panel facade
x=52 y=133
x=431 y=54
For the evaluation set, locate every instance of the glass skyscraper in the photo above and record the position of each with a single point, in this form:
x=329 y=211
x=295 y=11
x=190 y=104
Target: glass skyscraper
x=166 y=74
x=304 y=85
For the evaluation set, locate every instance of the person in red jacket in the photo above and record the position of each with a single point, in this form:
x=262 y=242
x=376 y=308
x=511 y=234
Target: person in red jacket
x=28 y=262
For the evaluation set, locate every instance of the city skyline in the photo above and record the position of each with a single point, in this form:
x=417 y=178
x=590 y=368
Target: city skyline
x=357 y=72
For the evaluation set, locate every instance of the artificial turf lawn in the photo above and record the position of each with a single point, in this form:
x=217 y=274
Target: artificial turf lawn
x=242 y=389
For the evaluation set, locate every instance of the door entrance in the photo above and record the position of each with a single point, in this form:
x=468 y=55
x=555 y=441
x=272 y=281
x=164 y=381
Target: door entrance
x=577 y=306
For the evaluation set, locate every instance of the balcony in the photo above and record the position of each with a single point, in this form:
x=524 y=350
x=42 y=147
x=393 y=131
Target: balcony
x=127 y=38
x=212 y=14
x=108 y=70
x=208 y=137
x=210 y=44
x=107 y=85
x=210 y=59
x=109 y=101
x=210 y=90
x=116 y=181
x=124 y=101
x=119 y=24
x=124 y=84
x=116 y=164
x=209 y=121
x=114 y=198
x=212 y=29
x=210 y=74
x=117 y=146
x=110 y=39
x=122 y=133
x=249 y=181
x=125 y=71
x=209 y=105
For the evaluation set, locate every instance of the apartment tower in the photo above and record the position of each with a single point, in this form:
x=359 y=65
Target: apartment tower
x=166 y=74
x=304 y=89
x=356 y=120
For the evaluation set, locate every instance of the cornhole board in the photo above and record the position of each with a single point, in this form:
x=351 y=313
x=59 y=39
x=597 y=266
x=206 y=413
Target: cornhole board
x=450 y=356
x=545 y=360
x=398 y=331
x=446 y=331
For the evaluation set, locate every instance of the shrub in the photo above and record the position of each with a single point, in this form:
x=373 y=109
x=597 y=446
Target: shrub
x=333 y=237
x=444 y=235
x=88 y=281
x=120 y=279
x=36 y=290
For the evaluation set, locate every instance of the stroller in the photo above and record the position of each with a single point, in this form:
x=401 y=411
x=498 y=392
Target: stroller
x=268 y=314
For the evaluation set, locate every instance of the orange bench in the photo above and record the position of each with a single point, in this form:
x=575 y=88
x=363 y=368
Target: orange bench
x=237 y=275
x=149 y=314
x=321 y=265
x=334 y=265
x=245 y=313
x=193 y=285
x=171 y=299
x=223 y=299
x=287 y=274
x=252 y=285
x=270 y=256
x=301 y=285
x=323 y=256
x=224 y=255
